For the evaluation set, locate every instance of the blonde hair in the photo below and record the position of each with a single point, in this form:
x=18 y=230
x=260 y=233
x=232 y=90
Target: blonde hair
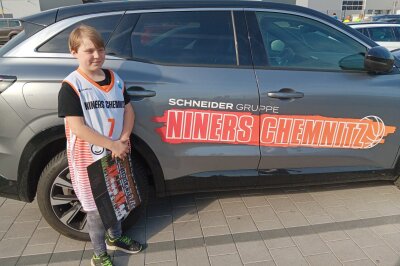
x=76 y=36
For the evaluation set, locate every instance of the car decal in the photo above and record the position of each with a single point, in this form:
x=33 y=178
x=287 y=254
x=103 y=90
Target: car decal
x=274 y=130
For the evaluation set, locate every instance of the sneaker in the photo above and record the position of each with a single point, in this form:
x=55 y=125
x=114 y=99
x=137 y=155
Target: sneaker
x=123 y=243
x=101 y=260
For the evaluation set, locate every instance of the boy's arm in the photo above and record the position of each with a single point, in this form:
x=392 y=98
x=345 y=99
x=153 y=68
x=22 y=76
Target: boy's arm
x=77 y=125
x=129 y=120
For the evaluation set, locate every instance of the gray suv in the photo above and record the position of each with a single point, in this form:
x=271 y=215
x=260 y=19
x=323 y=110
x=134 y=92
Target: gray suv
x=227 y=94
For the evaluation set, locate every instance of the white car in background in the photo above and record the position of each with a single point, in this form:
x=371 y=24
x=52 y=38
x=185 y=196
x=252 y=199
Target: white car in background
x=385 y=34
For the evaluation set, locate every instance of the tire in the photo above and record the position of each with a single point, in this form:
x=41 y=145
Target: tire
x=60 y=206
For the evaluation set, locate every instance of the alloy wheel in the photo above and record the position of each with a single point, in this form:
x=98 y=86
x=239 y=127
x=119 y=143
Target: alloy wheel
x=65 y=203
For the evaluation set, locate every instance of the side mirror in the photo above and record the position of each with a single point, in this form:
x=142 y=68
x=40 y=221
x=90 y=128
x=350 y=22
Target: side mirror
x=379 y=60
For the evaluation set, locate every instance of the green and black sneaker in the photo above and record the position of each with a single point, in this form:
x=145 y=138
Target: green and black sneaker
x=101 y=260
x=123 y=243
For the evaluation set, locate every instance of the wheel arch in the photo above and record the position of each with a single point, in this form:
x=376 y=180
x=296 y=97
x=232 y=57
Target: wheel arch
x=152 y=164
x=35 y=156
x=48 y=143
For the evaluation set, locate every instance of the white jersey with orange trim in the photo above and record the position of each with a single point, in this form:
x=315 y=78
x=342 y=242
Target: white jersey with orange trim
x=103 y=111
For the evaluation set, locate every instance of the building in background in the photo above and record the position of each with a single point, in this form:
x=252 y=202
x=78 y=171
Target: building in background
x=18 y=8
x=21 y=8
x=344 y=8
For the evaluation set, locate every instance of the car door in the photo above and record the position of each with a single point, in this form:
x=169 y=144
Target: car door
x=328 y=117
x=187 y=72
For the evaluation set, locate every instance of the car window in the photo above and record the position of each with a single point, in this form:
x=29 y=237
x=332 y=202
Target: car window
x=120 y=41
x=194 y=38
x=363 y=31
x=293 y=41
x=3 y=24
x=59 y=43
x=14 y=23
x=397 y=33
x=382 y=34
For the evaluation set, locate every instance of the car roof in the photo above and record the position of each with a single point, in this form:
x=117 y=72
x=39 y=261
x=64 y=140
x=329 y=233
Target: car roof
x=372 y=25
x=387 y=16
x=51 y=16
x=166 y=4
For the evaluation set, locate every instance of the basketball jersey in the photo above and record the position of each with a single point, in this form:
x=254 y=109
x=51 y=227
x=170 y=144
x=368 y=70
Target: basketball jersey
x=103 y=111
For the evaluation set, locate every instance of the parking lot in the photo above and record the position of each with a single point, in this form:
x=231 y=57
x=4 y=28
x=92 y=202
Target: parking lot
x=353 y=224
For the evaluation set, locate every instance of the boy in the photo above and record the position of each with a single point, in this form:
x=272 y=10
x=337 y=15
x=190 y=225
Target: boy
x=98 y=116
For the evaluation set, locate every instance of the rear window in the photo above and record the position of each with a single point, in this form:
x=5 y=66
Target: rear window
x=14 y=23
x=59 y=44
x=9 y=23
x=193 y=38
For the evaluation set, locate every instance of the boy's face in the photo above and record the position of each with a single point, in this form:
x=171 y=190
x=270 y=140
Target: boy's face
x=89 y=57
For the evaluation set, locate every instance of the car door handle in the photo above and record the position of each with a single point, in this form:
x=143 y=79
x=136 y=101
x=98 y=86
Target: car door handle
x=285 y=94
x=140 y=92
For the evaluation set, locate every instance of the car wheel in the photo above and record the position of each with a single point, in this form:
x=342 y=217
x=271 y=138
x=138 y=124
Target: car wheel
x=61 y=208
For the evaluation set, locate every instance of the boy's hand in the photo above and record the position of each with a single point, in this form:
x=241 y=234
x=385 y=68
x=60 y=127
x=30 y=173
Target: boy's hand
x=124 y=138
x=120 y=149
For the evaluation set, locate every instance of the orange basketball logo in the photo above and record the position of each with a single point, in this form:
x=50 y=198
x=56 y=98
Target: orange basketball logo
x=376 y=131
